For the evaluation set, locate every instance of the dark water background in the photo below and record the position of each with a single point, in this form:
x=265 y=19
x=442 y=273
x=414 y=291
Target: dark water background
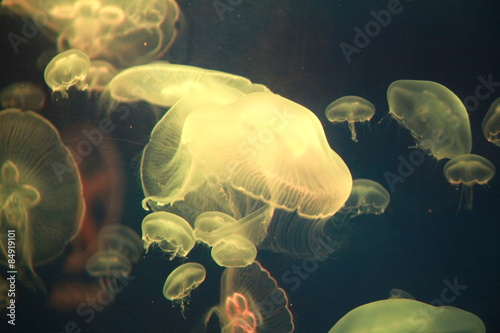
x=293 y=48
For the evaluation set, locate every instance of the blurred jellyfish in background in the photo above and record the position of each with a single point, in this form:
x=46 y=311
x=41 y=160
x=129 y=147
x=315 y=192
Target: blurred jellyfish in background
x=352 y=109
x=433 y=114
x=23 y=95
x=66 y=70
x=40 y=191
x=251 y=301
x=491 y=123
x=99 y=75
x=181 y=281
x=119 y=247
x=398 y=293
x=468 y=170
x=125 y=33
x=170 y=232
x=402 y=313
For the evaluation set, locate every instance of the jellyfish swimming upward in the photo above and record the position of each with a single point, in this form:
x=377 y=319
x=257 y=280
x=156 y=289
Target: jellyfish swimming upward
x=491 y=123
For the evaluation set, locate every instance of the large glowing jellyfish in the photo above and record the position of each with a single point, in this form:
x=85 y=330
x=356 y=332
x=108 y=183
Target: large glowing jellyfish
x=41 y=199
x=119 y=247
x=491 y=123
x=255 y=155
x=351 y=109
x=123 y=32
x=251 y=302
x=65 y=70
x=468 y=170
x=23 y=95
x=433 y=114
x=181 y=281
x=170 y=232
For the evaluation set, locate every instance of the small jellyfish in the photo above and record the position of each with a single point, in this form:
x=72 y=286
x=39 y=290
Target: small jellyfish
x=491 y=123
x=170 y=232
x=468 y=170
x=122 y=239
x=41 y=201
x=433 y=114
x=66 y=70
x=100 y=74
x=251 y=302
x=181 y=281
x=398 y=293
x=352 y=109
x=234 y=251
x=23 y=95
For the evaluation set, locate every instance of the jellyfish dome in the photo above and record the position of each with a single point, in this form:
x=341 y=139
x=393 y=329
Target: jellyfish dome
x=351 y=109
x=433 y=114
x=40 y=190
x=491 y=123
x=367 y=197
x=122 y=239
x=259 y=153
x=182 y=280
x=23 y=95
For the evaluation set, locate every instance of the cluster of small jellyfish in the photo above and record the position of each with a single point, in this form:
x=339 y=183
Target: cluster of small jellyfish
x=202 y=177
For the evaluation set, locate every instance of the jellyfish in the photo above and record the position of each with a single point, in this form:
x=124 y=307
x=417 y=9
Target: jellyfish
x=181 y=281
x=23 y=95
x=398 y=293
x=170 y=232
x=121 y=239
x=351 y=109
x=258 y=154
x=66 y=70
x=251 y=301
x=433 y=114
x=397 y=315
x=468 y=170
x=491 y=123
x=100 y=73
x=41 y=202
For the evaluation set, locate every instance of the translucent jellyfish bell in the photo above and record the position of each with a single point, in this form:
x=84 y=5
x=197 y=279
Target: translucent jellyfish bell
x=66 y=70
x=40 y=190
x=491 y=123
x=181 y=281
x=468 y=170
x=99 y=75
x=122 y=239
x=351 y=109
x=251 y=301
x=170 y=232
x=23 y=95
x=433 y=114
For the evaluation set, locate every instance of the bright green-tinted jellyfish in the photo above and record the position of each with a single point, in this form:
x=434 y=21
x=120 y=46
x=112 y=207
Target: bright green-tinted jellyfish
x=258 y=154
x=251 y=302
x=123 y=32
x=468 y=170
x=66 y=70
x=170 y=232
x=433 y=114
x=119 y=247
x=41 y=202
x=398 y=315
x=23 y=95
x=352 y=109
x=491 y=123
x=182 y=280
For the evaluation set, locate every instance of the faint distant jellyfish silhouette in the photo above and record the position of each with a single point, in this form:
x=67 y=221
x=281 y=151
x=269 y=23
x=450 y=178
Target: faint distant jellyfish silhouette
x=23 y=95
x=251 y=302
x=66 y=70
x=398 y=293
x=38 y=175
x=122 y=239
x=170 y=232
x=433 y=114
x=468 y=170
x=100 y=74
x=206 y=157
x=491 y=123
x=181 y=281
x=351 y=109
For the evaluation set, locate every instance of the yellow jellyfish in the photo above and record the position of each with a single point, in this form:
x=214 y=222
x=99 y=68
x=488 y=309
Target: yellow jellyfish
x=257 y=154
x=66 y=70
x=468 y=170
x=99 y=75
x=122 y=239
x=491 y=123
x=23 y=95
x=433 y=114
x=170 y=232
x=181 y=281
x=41 y=201
x=351 y=109
x=251 y=302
